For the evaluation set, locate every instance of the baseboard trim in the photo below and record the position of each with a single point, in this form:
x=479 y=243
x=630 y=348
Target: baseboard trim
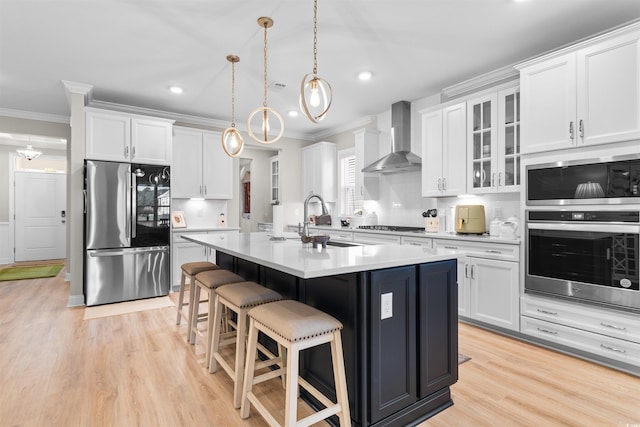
x=76 y=301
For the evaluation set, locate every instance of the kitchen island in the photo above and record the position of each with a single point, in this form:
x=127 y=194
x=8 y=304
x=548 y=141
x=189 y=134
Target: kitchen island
x=398 y=305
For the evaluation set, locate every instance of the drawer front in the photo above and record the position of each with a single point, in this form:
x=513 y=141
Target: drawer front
x=345 y=236
x=624 y=351
x=417 y=241
x=375 y=238
x=586 y=317
x=499 y=251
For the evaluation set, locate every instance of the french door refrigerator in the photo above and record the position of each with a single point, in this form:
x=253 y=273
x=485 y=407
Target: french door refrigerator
x=127 y=231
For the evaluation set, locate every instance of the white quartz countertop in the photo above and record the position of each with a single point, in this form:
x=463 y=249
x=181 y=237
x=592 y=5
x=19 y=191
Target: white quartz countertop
x=305 y=261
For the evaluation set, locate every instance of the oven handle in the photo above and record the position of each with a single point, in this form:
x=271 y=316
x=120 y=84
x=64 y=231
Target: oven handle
x=599 y=227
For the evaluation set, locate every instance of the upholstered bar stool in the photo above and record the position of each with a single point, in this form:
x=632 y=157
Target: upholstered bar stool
x=190 y=269
x=296 y=326
x=208 y=281
x=239 y=298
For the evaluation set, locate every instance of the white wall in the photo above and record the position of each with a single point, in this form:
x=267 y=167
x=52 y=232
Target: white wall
x=4 y=243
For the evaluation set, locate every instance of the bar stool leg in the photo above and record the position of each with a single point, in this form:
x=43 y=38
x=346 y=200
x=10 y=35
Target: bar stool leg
x=195 y=303
x=249 y=367
x=181 y=297
x=340 y=379
x=291 y=388
x=210 y=327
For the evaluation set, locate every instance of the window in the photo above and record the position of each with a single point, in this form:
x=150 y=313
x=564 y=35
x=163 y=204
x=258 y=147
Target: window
x=349 y=200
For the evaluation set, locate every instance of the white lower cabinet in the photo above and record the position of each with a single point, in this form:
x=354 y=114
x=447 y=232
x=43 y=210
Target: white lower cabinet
x=427 y=242
x=600 y=331
x=373 y=238
x=488 y=287
x=183 y=251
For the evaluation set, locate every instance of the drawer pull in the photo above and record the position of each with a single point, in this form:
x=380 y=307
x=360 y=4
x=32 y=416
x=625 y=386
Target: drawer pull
x=606 y=325
x=617 y=350
x=546 y=331
x=493 y=251
x=451 y=247
x=546 y=312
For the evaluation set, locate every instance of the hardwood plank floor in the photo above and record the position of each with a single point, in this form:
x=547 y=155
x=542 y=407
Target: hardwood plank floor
x=137 y=370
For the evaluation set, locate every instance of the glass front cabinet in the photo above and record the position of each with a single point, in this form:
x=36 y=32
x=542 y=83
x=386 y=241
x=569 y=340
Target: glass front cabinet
x=493 y=123
x=274 y=180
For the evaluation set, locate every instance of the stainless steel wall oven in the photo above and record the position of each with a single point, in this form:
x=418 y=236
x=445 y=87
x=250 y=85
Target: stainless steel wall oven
x=591 y=256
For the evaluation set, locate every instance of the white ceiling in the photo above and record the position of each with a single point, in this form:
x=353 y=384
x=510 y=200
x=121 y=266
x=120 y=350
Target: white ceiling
x=131 y=51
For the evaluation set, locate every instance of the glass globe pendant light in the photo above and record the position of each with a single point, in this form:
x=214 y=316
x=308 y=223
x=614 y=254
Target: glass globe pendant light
x=315 y=93
x=232 y=142
x=264 y=112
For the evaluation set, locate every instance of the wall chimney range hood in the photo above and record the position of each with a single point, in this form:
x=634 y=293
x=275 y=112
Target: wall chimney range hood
x=401 y=159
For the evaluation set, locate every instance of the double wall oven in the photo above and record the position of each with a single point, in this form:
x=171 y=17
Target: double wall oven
x=583 y=231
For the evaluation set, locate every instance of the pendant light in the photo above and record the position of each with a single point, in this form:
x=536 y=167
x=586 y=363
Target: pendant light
x=264 y=112
x=29 y=153
x=315 y=93
x=232 y=142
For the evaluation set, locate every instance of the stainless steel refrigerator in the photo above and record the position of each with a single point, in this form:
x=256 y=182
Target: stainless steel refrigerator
x=127 y=231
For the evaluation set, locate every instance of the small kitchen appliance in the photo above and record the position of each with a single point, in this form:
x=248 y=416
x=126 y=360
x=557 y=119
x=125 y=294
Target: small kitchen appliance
x=470 y=219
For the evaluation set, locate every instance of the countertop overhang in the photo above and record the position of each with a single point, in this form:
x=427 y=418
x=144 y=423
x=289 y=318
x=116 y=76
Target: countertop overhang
x=306 y=261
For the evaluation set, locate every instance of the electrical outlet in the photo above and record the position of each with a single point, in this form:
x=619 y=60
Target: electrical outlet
x=386 y=306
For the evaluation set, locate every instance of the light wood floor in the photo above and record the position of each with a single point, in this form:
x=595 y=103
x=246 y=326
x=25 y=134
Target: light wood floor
x=136 y=370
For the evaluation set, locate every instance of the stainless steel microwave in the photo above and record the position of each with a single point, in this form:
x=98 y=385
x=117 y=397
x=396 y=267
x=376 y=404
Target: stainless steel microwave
x=611 y=180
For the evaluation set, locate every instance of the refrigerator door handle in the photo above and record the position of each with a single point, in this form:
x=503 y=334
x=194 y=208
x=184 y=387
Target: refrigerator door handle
x=134 y=204
x=127 y=201
x=129 y=251
x=84 y=193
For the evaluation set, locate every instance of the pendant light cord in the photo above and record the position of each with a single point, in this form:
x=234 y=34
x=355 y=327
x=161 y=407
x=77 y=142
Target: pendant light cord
x=265 y=65
x=233 y=96
x=315 y=37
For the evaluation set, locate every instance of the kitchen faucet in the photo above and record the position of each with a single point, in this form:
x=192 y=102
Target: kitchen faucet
x=305 y=229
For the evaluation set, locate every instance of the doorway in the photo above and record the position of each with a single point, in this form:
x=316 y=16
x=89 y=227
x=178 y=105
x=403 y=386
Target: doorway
x=245 y=195
x=40 y=216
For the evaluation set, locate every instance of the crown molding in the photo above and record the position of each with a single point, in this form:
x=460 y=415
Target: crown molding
x=30 y=115
x=78 y=89
x=491 y=78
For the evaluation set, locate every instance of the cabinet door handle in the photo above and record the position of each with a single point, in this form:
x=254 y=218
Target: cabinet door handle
x=473 y=271
x=571 y=130
x=444 y=184
x=200 y=190
x=133 y=152
x=493 y=179
x=126 y=152
x=546 y=331
x=500 y=181
x=607 y=325
x=451 y=247
x=205 y=190
x=466 y=270
x=581 y=128
x=539 y=310
x=439 y=184
x=493 y=251
x=617 y=350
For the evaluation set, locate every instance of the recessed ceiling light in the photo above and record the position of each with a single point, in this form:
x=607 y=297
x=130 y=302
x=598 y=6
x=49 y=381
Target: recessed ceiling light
x=176 y=89
x=293 y=113
x=364 y=75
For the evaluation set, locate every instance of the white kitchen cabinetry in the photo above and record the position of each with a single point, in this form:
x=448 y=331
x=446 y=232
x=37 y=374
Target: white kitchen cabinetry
x=201 y=169
x=183 y=251
x=493 y=126
x=444 y=149
x=373 y=238
x=427 y=242
x=274 y=167
x=366 y=148
x=120 y=137
x=488 y=284
x=597 y=330
x=585 y=95
x=318 y=169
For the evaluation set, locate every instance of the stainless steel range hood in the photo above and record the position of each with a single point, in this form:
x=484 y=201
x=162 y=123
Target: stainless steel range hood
x=401 y=159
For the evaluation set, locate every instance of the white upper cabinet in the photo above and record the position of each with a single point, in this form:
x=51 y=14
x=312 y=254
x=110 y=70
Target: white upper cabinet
x=201 y=169
x=587 y=96
x=493 y=126
x=120 y=137
x=366 y=148
x=274 y=179
x=318 y=167
x=444 y=148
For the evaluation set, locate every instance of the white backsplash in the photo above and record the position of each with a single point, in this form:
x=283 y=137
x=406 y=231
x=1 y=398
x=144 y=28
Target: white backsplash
x=200 y=213
x=401 y=202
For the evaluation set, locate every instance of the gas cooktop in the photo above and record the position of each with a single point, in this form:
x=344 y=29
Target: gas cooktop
x=390 y=228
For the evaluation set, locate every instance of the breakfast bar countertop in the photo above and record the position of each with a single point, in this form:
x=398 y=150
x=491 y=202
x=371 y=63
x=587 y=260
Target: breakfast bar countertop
x=306 y=261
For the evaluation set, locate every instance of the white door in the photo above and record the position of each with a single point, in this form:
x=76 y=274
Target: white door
x=40 y=216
